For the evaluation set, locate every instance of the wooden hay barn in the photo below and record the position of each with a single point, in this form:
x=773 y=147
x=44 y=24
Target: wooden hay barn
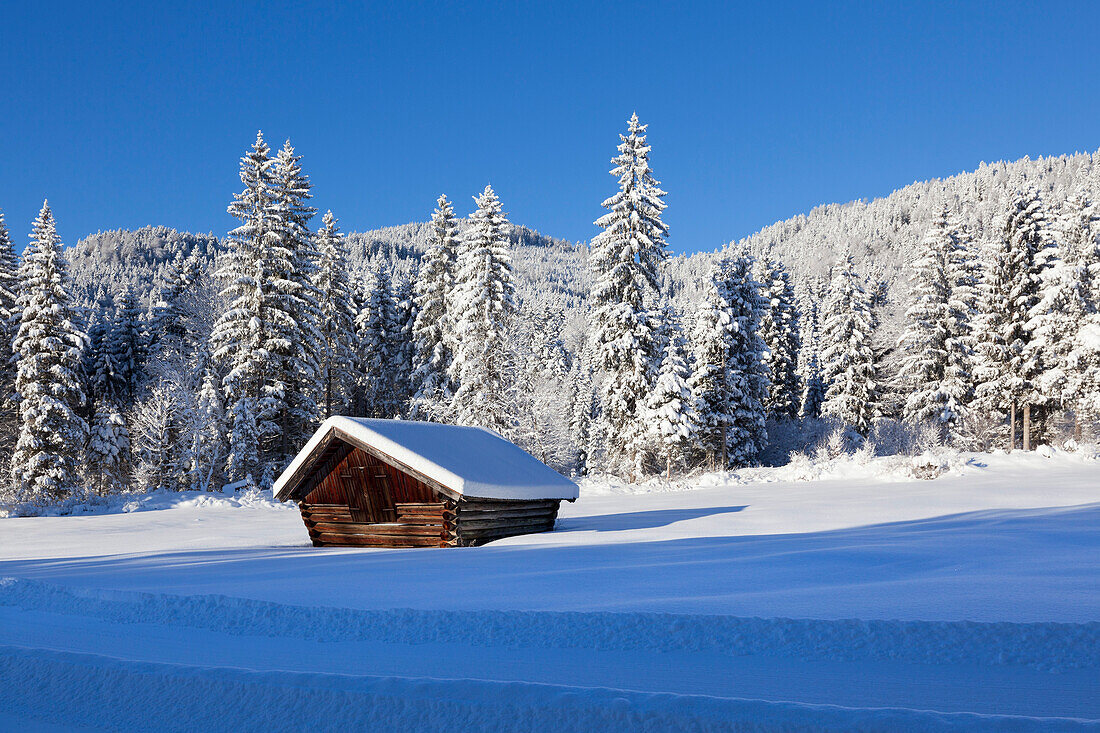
x=400 y=483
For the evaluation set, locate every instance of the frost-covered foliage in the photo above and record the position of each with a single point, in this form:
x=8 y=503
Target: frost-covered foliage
x=779 y=327
x=378 y=341
x=1068 y=308
x=1010 y=360
x=108 y=450
x=672 y=410
x=729 y=382
x=9 y=322
x=253 y=356
x=336 y=310
x=266 y=341
x=433 y=331
x=625 y=260
x=937 y=343
x=849 y=368
x=49 y=347
x=483 y=308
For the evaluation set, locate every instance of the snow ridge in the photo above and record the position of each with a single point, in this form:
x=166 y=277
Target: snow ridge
x=91 y=690
x=1049 y=646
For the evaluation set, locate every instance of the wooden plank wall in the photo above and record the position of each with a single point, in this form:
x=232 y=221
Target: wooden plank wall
x=417 y=525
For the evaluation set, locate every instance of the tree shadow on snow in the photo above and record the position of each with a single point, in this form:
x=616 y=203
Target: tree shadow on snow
x=639 y=520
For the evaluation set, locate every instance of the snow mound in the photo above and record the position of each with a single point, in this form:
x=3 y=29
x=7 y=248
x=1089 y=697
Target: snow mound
x=160 y=500
x=858 y=466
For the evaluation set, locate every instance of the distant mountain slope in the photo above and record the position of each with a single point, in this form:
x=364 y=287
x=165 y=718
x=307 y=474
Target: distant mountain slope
x=108 y=262
x=882 y=235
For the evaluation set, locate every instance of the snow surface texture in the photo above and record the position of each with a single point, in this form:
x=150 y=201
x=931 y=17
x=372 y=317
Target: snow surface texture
x=472 y=461
x=872 y=601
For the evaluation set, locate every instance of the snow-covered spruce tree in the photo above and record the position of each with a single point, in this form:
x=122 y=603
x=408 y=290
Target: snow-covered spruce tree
x=625 y=258
x=404 y=303
x=729 y=381
x=378 y=341
x=9 y=323
x=779 y=328
x=538 y=379
x=672 y=410
x=302 y=365
x=337 y=312
x=1009 y=364
x=160 y=462
x=809 y=297
x=483 y=307
x=108 y=452
x=48 y=347
x=126 y=342
x=848 y=358
x=432 y=330
x=262 y=341
x=581 y=412
x=1067 y=307
x=171 y=312
x=937 y=362
x=208 y=445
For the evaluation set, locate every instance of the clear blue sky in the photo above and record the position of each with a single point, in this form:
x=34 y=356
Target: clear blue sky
x=126 y=114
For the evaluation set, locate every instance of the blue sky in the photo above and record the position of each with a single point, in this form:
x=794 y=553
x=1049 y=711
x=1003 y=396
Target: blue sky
x=126 y=114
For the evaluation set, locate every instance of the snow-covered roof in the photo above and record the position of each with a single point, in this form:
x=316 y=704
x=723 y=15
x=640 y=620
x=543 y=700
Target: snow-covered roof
x=473 y=462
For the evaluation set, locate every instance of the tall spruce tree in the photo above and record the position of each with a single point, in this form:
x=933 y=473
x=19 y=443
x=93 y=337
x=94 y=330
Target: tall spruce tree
x=779 y=328
x=625 y=260
x=9 y=324
x=483 y=308
x=108 y=450
x=936 y=343
x=126 y=347
x=48 y=346
x=1010 y=364
x=581 y=412
x=672 y=410
x=849 y=367
x=809 y=297
x=301 y=363
x=433 y=329
x=1068 y=306
x=404 y=303
x=729 y=382
x=336 y=309
x=378 y=337
x=208 y=445
x=257 y=341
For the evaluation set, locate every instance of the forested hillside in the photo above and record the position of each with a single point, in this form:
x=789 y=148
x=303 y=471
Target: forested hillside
x=962 y=311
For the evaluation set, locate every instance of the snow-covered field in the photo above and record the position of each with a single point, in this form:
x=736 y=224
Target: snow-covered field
x=858 y=599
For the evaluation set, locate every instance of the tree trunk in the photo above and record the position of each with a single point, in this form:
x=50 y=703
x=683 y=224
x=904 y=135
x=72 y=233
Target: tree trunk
x=1077 y=426
x=1027 y=426
x=1012 y=427
x=725 y=449
x=668 y=468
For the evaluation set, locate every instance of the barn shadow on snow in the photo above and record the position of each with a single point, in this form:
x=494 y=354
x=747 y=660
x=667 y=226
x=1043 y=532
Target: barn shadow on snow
x=640 y=520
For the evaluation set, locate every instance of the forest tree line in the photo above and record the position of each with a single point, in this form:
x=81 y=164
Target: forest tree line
x=216 y=376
